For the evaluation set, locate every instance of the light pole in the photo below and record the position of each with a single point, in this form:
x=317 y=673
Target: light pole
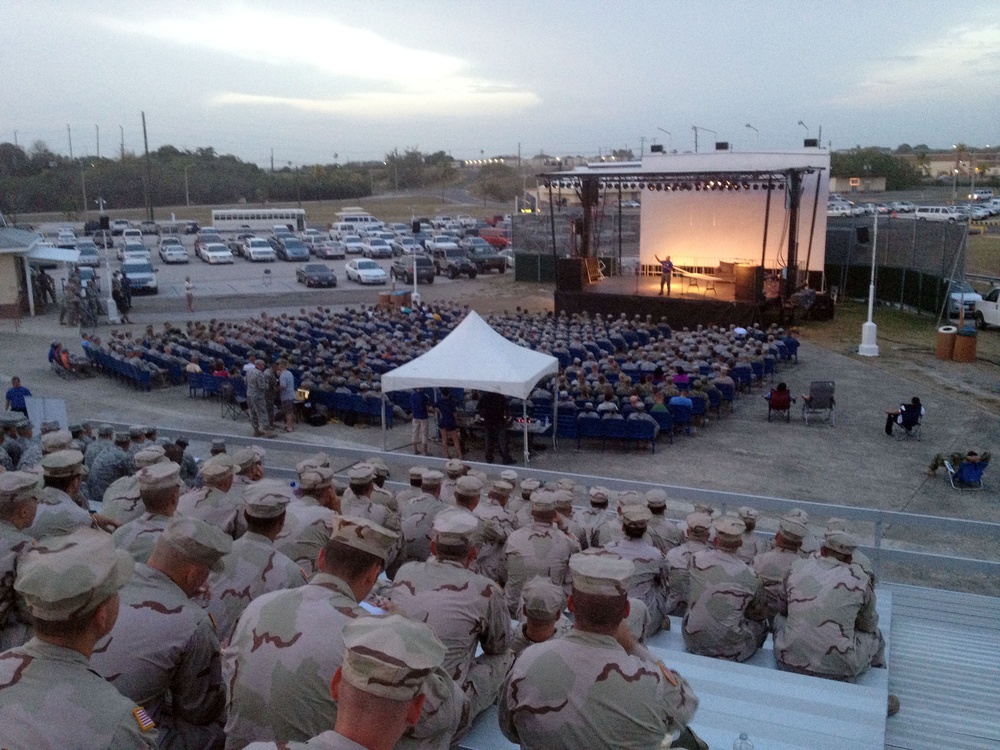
x=187 y=192
x=755 y=131
x=695 y=128
x=869 y=331
x=805 y=126
x=669 y=135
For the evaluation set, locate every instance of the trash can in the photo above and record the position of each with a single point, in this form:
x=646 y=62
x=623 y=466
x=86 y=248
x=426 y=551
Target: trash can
x=965 y=345
x=946 y=341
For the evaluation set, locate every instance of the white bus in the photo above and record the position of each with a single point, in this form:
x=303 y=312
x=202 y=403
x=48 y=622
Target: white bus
x=258 y=219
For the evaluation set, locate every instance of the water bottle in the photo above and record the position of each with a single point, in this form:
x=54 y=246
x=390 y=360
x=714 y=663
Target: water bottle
x=742 y=742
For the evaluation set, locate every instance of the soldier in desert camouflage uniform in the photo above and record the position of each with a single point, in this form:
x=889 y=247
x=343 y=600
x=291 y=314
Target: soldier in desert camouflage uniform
x=596 y=686
x=542 y=614
x=380 y=493
x=772 y=566
x=664 y=533
x=464 y=609
x=593 y=517
x=19 y=493
x=215 y=502
x=357 y=499
x=415 y=474
x=381 y=688
x=248 y=465
x=160 y=489
x=417 y=519
x=753 y=544
x=163 y=652
x=122 y=500
x=727 y=609
x=57 y=512
x=49 y=696
x=698 y=529
x=453 y=468
x=649 y=581
x=253 y=567
x=498 y=525
x=309 y=516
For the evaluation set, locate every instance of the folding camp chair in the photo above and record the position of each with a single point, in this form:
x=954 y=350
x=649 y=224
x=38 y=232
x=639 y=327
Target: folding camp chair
x=779 y=403
x=819 y=399
x=908 y=423
x=968 y=475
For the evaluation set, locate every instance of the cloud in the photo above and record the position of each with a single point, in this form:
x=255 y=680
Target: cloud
x=959 y=60
x=392 y=76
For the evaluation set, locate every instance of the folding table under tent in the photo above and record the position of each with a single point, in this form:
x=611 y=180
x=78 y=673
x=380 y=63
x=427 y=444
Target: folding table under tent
x=475 y=356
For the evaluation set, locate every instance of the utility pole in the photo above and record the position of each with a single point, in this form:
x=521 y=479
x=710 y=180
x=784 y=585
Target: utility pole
x=69 y=135
x=15 y=138
x=122 y=129
x=97 y=128
x=272 y=161
x=148 y=171
x=187 y=193
x=642 y=146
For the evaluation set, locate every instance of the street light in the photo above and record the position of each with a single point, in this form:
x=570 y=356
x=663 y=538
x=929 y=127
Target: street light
x=805 y=126
x=669 y=135
x=695 y=128
x=869 y=331
x=757 y=132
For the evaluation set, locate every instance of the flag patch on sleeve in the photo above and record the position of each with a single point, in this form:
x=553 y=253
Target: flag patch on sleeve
x=142 y=719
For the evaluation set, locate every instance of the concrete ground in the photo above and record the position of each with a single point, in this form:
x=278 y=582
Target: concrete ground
x=851 y=462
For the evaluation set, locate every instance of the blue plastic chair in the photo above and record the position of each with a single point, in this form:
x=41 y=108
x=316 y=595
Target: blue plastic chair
x=666 y=421
x=589 y=428
x=728 y=393
x=641 y=429
x=682 y=416
x=698 y=408
x=613 y=429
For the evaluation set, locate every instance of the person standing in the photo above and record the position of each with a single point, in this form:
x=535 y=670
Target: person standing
x=15 y=396
x=189 y=293
x=260 y=415
x=286 y=394
x=448 y=424
x=494 y=410
x=419 y=404
x=666 y=273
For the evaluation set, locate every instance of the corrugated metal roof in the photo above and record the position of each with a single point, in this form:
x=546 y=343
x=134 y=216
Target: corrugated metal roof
x=16 y=240
x=945 y=668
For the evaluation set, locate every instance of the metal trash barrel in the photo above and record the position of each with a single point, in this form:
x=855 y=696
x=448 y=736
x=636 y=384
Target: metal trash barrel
x=946 y=336
x=965 y=345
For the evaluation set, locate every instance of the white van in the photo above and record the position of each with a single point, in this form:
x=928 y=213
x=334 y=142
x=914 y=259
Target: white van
x=938 y=213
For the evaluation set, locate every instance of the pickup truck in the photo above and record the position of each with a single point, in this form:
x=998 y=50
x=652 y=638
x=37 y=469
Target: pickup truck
x=987 y=312
x=486 y=259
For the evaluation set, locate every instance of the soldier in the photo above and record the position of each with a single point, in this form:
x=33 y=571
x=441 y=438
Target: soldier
x=520 y=505
x=380 y=494
x=159 y=491
x=381 y=689
x=831 y=628
x=214 y=503
x=105 y=439
x=453 y=468
x=163 y=650
x=12 y=444
x=288 y=644
x=309 y=517
x=597 y=686
x=497 y=526
x=189 y=466
x=593 y=517
x=465 y=610
x=698 y=530
x=248 y=465
x=542 y=615
x=31 y=446
x=19 y=493
x=122 y=501
x=539 y=548
x=71 y=595
x=565 y=519
x=727 y=609
x=753 y=545
x=57 y=513
x=664 y=533
x=254 y=566
x=357 y=501
x=810 y=543
x=417 y=519
x=611 y=529
x=649 y=582
x=137 y=439
x=772 y=566
x=416 y=476
x=112 y=463
x=857 y=557
x=257 y=401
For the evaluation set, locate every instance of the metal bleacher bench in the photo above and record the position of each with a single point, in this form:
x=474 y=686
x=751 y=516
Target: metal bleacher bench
x=778 y=710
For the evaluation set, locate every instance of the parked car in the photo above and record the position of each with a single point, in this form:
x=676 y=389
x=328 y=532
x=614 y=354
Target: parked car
x=308 y=233
x=89 y=256
x=236 y=244
x=365 y=271
x=838 y=209
x=132 y=235
x=191 y=227
x=214 y=253
x=331 y=250
x=291 y=248
x=962 y=295
x=206 y=236
x=988 y=310
x=133 y=250
x=903 y=207
x=405 y=246
x=316 y=274
x=141 y=275
x=256 y=249
x=453 y=262
x=173 y=251
x=939 y=213
x=103 y=239
x=120 y=225
x=149 y=227
x=402 y=269
x=66 y=238
x=486 y=259
x=508 y=254
x=376 y=247
x=353 y=243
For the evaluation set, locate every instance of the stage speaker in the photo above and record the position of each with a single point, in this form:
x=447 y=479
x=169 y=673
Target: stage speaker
x=569 y=274
x=750 y=284
x=656 y=148
x=822 y=308
x=105 y=223
x=863 y=237
x=416 y=227
x=811 y=143
x=722 y=145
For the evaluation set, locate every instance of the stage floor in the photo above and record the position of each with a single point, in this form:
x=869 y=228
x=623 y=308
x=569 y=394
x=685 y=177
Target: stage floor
x=682 y=288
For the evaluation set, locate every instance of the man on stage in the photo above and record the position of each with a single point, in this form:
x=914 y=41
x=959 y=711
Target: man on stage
x=666 y=273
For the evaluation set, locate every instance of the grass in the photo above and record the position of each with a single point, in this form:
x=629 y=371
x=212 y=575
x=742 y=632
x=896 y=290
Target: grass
x=983 y=256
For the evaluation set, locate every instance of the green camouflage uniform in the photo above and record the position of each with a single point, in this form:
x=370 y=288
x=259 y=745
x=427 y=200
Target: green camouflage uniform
x=538 y=549
x=138 y=537
x=726 y=616
x=112 y=463
x=94 y=450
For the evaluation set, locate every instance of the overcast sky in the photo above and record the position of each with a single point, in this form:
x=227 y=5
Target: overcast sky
x=314 y=78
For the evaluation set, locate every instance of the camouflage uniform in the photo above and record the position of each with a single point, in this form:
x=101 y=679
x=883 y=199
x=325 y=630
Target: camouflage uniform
x=498 y=525
x=31 y=455
x=417 y=522
x=95 y=449
x=15 y=624
x=367 y=507
x=664 y=533
x=726 y=616
x=257 y=401
x=678 y=560
x=593 y=518
x=5 y=460
x=138 y=537
x=772 y=567
x=111 y=464
x=649 y=582
x=307 y=529
x=121 y=500
x=57 y=514
x=224 y=510
x=189 y=469
x=163 y=653
x=254 y=567
x=537 y=549
x=832 y=627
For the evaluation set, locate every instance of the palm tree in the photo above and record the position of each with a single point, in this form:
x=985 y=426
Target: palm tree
x=923 y=161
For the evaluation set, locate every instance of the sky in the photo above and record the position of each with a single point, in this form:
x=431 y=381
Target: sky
x=319 y=81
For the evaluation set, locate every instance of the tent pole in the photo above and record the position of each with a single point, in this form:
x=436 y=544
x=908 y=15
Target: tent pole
x=31 y=293
x=383 y=423
x=524 y=423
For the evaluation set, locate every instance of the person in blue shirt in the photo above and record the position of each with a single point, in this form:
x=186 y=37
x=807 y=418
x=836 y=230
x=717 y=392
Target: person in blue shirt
x=666 y=273
x=15 y=396
x=419 y=405
x=448 y=424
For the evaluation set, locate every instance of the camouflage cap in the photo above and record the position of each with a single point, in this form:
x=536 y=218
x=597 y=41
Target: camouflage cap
x=729 y=528
x=66 y=463
x=542 y=501
x=416 y=472
x=565 y=483
x=105 y=430
x=198 y=541
x=431 y=478
x=151 y=454
x=48 y=426
x=315 y=478
x=136 y=432
x=219 y=445
x=468 y=486
x=318 y=459
x=381 y=470
x=482 y=476
x=599 y=495
x=836 y=524
x=530 y=485
x=364 y=535
x=656 y=499
x=454 y=467
x=564 y=499
x=149 y=431
x=509 y=475
x=267 y=498
x=361 y=473
x=246 y=457
x=603 y=575
x=749 y=514
x=630 y=497
x=840 y=541
x=122 y=437
x=698 y=522
x=11 y=418
x=799 y=514
x=707 y=509
x=390 y=656
x=636 y=515
x=159 y=476
x=543 y=600
x=68 y=576
x=455 y=526
x=502 y=487
x=75 y=428
x=216 y=468
x=56 y=441
x=16 y=487
x=792 y=528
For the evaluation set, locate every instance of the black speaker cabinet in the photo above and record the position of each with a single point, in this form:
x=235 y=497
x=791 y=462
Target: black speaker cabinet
x=749 y=283
x=822 y=308
x=570 y=274
x=863 y=235
x=105 y=223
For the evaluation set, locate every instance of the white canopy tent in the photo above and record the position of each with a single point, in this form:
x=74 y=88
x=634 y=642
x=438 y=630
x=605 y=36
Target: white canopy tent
x=477 y=357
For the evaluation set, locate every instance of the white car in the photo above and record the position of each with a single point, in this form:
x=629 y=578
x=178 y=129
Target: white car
x=963 y=294
x=258 y=249
x=65 y=237
x=365 y=271
x=215 y=252
x=376 y=247
x=406 y=246
x=353 y=244
x=838 y=209
x=172 y=251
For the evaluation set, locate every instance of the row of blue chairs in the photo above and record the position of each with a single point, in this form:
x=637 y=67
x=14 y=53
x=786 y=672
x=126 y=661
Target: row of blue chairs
x=121 y=370
x=622 y=430
x=366 y=409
